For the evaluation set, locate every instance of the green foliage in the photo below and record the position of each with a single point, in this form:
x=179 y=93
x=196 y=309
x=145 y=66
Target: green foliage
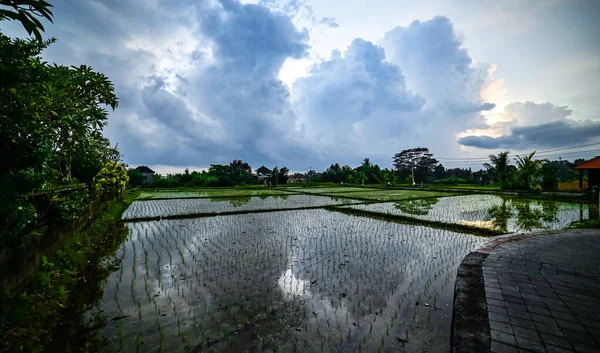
x=29 y=317
x=527 y=168
x=498 y=167
x=26 y=11
x=51 y=118
x=112 y=178
x=419 y=159
x=548 y=173
x=135 y=177
x=453 y=181
x=19 y=217
x=68 y=207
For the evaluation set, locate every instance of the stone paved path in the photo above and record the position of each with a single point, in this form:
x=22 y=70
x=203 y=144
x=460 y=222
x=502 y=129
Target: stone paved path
x=543 y=293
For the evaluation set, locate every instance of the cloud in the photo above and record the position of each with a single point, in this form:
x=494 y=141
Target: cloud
x=437 y=65
x=328 y=21
x=531 y=125
x=378 y=99
x=531 y=113
x=198 y=83
x=350 y=91
x=554 y=134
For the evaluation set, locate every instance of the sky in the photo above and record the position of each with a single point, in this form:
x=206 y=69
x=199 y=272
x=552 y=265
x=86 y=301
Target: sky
x=308 y=83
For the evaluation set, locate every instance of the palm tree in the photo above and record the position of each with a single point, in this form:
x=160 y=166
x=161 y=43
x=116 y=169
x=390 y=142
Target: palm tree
x=367 y=162
x=498 y=167
x=527 y=167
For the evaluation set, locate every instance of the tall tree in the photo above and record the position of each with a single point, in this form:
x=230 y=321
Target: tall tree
x=240 y=170
x=527 y=168
x=498 y=166
x=282 y=175
x=418 y=158
x=367 y=162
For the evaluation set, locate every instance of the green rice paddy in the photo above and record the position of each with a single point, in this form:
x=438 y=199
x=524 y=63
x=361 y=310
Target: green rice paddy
x=265 y=270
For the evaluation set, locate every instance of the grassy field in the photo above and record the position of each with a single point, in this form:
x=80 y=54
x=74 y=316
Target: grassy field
x=387 y=194
x=338 y=189
x=465 y=187
x=181 y=194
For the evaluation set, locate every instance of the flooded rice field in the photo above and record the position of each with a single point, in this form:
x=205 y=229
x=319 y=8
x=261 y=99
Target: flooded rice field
x=505 y=214
x=291 y=281
x=301 y=280
x=175 y=207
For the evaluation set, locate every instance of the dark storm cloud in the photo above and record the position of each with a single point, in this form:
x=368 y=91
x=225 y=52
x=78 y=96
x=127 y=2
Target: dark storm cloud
x=554 y=134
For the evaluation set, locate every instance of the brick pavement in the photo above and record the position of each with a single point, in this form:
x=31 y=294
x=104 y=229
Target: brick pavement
x=543 y=293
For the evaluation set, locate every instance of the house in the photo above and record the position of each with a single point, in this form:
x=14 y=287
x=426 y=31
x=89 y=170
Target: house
x=593 y=168
x=263 y=173
x=295 y=180
x=147 y=174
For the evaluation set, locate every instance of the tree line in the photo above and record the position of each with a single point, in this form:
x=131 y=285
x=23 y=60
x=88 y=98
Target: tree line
x=237 y=172
x=418 y=165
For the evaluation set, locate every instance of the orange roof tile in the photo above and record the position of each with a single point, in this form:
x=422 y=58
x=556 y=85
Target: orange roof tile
x=593 y=163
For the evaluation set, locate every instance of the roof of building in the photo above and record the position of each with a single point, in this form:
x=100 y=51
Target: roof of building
x=593 y=163
x=145 y=169
x=263 y=170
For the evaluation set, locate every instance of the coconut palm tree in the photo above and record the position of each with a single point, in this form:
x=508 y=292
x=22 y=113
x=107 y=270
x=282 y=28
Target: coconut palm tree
x=527 y=168
x=498 y=166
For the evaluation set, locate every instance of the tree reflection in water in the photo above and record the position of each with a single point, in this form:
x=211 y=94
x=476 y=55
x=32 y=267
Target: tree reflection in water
x=530 y=214
x=419 y=207
x=499 y=216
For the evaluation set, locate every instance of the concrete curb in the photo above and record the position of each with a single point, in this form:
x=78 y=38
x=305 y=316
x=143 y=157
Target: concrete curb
x=470 y=325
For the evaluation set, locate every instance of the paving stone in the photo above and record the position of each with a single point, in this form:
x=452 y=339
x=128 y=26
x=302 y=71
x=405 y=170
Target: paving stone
x=519 y=314
x=503 y=337
x=570 y=325
x=555 y=340
x=563 y=315
x=526 y=333
x=501 y=326
x=515 y=321
x=499 y=317
x=499 y=347
x=497 y=309
x=531 y=345
x=580 y=341
x=548 y=329
x=548 y=320
x=554 y=349
x=538 y=310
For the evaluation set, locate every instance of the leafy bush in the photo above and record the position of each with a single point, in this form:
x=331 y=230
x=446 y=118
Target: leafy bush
x=112 y=178
x=19 y=217
x=68 y=207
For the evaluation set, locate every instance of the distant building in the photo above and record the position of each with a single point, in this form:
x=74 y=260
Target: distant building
x=295 y=180
x=263 y=173
x=593 y=168
x=147 y=174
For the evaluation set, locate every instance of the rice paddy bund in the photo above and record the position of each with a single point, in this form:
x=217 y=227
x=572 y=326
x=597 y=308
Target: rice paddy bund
x=260 y=278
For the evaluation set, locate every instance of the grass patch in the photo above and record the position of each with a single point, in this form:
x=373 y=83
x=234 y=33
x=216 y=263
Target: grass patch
x=460 y=228
x=587 y=223
x=198 y=194
x=465 y=187
x=324 y=190
x=389 y=194
x=47 y=313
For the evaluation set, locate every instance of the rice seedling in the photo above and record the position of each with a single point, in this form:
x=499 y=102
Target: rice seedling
x=336 y=282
